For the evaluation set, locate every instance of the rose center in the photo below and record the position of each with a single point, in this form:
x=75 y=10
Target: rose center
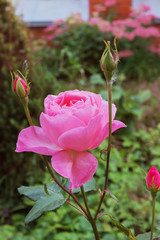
x=70 y=100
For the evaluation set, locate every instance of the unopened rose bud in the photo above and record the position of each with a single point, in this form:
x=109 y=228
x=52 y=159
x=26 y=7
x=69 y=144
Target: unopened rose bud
x=20 y=87
x=108 y=60
x=153 y=180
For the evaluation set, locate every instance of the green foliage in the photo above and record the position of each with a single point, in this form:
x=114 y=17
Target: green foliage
x=13 y=40
x=122 y=229
x=34 y=193
x=145 y=236
x=143 y=64
x=78 y=49
x=45 y=204
x=48 y=197
x=14 y=49
x=76 y=54
x=81 y=41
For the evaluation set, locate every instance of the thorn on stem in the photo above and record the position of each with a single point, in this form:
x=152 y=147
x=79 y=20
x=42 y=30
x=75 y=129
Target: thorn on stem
x=101 y=194
x=102 y=151
x=106 y=190
x=53 y=179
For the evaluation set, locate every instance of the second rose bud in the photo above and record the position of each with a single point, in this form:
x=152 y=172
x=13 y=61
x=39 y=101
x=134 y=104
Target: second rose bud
x=153 y=179
x=108 y=60
x=20 y=86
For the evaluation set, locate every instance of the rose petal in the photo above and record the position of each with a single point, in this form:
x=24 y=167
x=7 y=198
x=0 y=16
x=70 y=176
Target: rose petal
x=105 y=113
x=105 y=132
x=57 y=125
x=33 y=139
x=116 y=125
x=84 y=114
x=81 y=138
x=78 y=166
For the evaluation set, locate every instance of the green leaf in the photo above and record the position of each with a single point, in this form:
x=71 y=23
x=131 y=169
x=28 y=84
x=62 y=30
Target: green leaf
x=144 y=236
x=45 y=204
x=34 y=193
x=117 y=93
x=104 y=94
x=122 y=229
x=144 y=96
x=158 y=228
x=96 y=79
x=45 y=189
x=90 y=186
x=112 y=196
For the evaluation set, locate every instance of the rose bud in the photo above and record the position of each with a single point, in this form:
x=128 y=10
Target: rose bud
x=108 y=62
x=153 y=179
x=20 y=87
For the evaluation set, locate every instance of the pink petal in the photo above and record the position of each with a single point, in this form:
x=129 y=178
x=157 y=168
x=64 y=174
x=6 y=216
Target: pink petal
x=84 y=114
x=116 y=125
x=105 y=132
x=105 y=113
x=78 y=166
x=57 y=125
x=81 y=138
x=33 y=139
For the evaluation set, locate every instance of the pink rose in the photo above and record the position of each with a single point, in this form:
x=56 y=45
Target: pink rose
x=73 y=122
x=125 y=53
x=153 y=176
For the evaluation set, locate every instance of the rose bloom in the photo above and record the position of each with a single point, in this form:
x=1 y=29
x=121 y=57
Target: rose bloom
x=72 y=122
x=153 y=176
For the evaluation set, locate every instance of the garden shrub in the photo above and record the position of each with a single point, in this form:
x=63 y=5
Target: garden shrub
x=14 y=49
x=82 y=42
x=75 y=53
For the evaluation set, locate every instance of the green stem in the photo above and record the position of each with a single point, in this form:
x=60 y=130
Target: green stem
x=95 y=230
x=109 y=88
x=153 y=215
x=26 y=109
x=76 y=208
x=85 y=201
x=90 y=218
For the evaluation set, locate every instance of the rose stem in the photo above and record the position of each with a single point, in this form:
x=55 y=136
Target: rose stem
x=153 y=215
x=25 y=104
x=109 y=88
x=91 y=220
x=76 y=207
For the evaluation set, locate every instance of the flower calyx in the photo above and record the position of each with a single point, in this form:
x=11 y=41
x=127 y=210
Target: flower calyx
x=109 y=59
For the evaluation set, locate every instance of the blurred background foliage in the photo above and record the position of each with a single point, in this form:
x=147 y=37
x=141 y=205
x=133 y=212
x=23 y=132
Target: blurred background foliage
x=66 y=61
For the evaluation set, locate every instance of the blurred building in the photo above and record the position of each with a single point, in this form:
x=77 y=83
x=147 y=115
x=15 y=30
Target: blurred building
x=123 y=6
x=154 y=4
x=39 y=14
